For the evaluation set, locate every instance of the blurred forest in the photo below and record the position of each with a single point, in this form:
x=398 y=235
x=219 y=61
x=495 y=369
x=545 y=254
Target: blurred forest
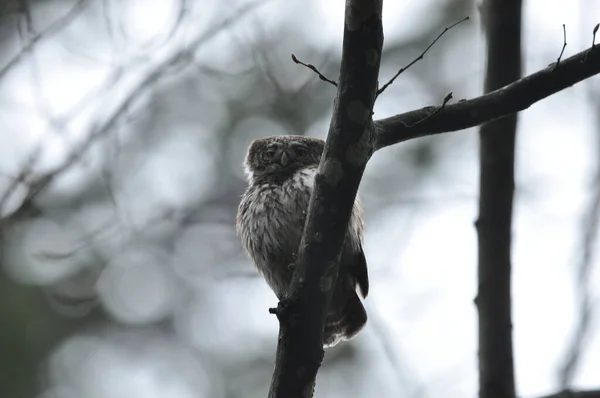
x=124 y=126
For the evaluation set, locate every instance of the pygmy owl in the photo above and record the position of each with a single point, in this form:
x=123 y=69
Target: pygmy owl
x=270 y=220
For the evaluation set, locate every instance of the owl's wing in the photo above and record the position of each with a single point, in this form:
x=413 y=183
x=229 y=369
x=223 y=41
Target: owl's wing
x=358 y=270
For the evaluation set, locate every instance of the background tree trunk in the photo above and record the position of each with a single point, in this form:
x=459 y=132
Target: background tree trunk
x=502 y=19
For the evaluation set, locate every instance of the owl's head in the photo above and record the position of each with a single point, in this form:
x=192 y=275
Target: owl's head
x=280 y=155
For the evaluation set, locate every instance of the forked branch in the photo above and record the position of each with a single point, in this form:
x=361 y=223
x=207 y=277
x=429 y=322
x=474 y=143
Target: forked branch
x=563 y=47
x=507 y=100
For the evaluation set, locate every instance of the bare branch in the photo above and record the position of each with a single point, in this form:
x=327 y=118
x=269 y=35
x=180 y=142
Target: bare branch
x=575 y=394
x=420 y=57
x=510 y=99
x=22 y=178
x=347 y=150
x=314 y=69
x=26 y=31
x=39 y=182
x=57 y=26
x=447 y=99
x=563 y=47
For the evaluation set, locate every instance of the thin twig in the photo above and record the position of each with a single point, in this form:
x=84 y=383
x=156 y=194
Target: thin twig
x=420 y=57
x=563 y=47
x=101 y=127
x=512 y=98
x=55 y=27
x=26 y=32
x=22 y=178
x=105 y=124
x=447 y=99
x=594 y=31
x=314 y=69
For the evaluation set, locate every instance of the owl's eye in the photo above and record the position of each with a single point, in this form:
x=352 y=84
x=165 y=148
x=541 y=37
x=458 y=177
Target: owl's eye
x=268 y=154
x=300 y=150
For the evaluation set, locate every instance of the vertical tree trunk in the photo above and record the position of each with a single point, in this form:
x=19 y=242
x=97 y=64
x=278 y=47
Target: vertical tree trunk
x=348 y=147
x=502 y=19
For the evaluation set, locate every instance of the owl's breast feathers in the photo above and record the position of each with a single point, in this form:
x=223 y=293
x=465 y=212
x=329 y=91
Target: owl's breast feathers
x=271 y=220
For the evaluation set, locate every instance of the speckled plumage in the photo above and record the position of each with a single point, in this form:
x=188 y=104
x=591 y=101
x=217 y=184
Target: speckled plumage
x=270 y=222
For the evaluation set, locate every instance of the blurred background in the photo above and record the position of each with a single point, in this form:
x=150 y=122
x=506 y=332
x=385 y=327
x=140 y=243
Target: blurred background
x=124 y=126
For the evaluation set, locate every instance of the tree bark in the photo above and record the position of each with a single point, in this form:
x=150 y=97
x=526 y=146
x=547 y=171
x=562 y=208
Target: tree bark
x=352 y=138
x=497 y=155
x=506 y=100
x=348 y=148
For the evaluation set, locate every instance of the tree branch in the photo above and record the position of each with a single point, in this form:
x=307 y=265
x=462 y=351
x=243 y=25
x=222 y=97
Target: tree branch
x=575 y=394
x=314 y=69
x=347 y=150
x=117 y=108
x=34 y=38
x=510 y=99
x=496 y=188
x=562 y=50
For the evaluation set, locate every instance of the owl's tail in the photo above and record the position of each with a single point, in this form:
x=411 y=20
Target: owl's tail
x=346 y=316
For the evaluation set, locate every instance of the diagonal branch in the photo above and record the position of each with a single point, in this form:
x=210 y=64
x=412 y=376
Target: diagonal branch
x=510 y=99
x=575 y=394
x=562 y=50
x=348 y=148
x=34 y=38
x=118 y=108
x=314 y=69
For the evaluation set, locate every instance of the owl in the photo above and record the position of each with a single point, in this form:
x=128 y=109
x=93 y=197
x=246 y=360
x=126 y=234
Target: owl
x=280 y=171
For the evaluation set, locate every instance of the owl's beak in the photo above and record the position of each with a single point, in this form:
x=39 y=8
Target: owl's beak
x=284 y=159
